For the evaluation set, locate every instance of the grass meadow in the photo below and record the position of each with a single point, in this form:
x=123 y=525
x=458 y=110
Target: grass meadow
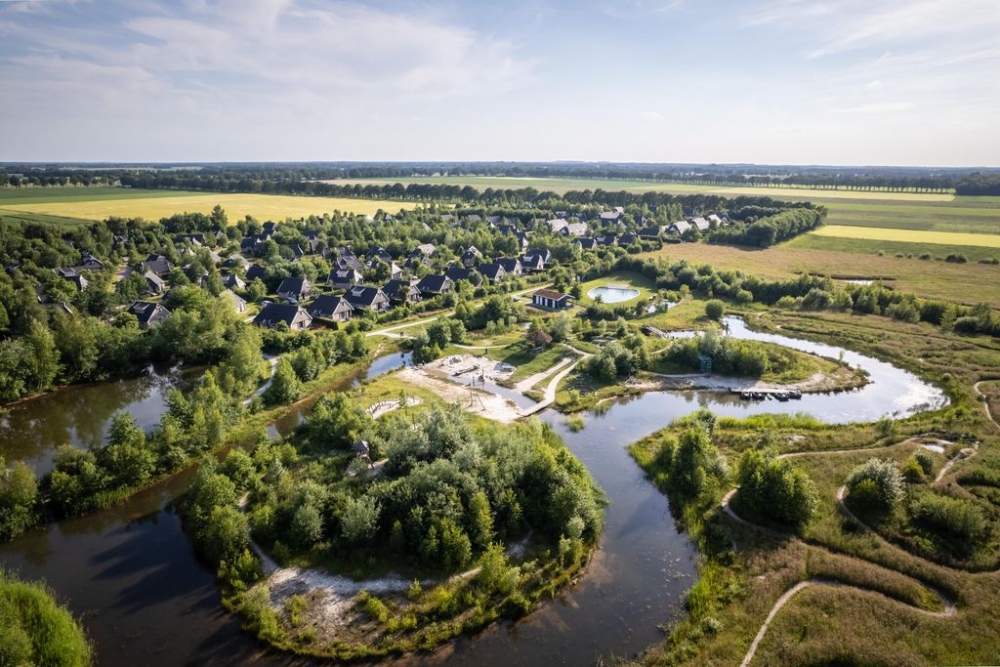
x=965 y=283
x=68 y=205
x=876 y=613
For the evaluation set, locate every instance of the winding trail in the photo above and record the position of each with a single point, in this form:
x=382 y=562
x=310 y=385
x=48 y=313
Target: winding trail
x=949 y=606
x=986 y=405
x=949 y=610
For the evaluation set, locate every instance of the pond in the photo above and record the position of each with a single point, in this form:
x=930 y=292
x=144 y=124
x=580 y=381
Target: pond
x=613 y=293
x=131 y=575
x=80 y=415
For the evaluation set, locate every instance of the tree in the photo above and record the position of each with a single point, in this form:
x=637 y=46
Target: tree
x=480 y=521
x=773 y=488
x=359 y=519
x=18 y=489
x=285 y=385
x=560 y=327
x=335 y=422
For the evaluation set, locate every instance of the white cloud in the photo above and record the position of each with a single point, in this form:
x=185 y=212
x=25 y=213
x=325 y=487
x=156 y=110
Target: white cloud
x=651 y=115
x=287 y=48
x=877 y=108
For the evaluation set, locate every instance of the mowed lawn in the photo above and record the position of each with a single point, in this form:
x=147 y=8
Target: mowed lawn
x=156 y=204
x=909 y=236
x=965 y=283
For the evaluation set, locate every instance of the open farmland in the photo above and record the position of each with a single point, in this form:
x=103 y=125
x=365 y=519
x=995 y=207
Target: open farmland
x=81 y=203
x=909 y=236
x=563 y=185
x=966 y=283
x=862 y=246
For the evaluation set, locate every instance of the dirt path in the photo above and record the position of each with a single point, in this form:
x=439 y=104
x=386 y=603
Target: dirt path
x=949 y=609
x=949 y=606
x=986 y=404
x=529 y=382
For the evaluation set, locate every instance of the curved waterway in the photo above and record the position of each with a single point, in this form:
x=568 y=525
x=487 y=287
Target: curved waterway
x=130 y=572
x=80 y=415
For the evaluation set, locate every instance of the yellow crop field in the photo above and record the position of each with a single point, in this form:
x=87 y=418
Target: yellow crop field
x=237 y=206
x=909 y=236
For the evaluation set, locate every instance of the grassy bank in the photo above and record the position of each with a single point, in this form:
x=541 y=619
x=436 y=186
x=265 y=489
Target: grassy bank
x=35 y=630
x=876 y=599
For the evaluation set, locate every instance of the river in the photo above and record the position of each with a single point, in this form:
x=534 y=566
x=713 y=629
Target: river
x=80 y=415
x=131 y=574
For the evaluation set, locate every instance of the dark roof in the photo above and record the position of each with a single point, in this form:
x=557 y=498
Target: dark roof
x=393 y=287
x=460 y=273
x=158 y=264
x=379 y=252
x=293 y=286
x=147 y=311
x=273 y=313
x=509 y=264
x=326 y=305
x=232 y=280
x=587 y=244
x=256 y=272
x=351 y=276
x=627 y=238
x=434 y=284
x=492 y=270
x=362 y=296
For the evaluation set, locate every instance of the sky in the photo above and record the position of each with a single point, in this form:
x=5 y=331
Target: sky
x=853 y=82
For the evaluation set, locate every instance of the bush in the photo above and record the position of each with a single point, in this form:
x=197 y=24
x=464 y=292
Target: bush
x=955 y=518
x=876 y=485
x=34 y=630
x=913 y=471
x=715 y=309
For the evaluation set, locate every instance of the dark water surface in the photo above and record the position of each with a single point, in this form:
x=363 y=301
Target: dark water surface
x=145 y=600
x=80 y=415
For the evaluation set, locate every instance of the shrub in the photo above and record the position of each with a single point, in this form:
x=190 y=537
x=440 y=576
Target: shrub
x=913 y=471
x=876 y=484
x=953 y=517
x=715 y=309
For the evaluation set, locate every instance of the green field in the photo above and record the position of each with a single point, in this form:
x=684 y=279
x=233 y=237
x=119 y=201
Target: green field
x=862 y=246
x=965 y=283
x=912 y=236
x=70 y=205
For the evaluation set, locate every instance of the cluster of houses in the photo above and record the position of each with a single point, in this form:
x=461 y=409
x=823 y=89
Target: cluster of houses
x=303 y=303
x=345 y=291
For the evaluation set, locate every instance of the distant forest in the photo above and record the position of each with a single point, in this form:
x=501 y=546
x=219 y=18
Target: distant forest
x=300 y=178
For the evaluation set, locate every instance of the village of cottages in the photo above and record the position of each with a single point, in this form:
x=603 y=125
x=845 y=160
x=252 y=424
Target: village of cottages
x=346 y=292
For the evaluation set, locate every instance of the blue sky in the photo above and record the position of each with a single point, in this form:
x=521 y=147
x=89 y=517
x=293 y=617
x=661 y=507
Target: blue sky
x=909 y=82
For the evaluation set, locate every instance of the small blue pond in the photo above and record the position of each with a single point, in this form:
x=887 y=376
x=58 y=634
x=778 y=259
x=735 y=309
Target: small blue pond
x=613 y=293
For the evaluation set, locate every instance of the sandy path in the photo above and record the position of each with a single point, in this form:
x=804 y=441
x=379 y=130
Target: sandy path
x=530 y=381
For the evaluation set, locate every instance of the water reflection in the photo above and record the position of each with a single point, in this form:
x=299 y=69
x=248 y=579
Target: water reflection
x=80 y=415
x=131 y=574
